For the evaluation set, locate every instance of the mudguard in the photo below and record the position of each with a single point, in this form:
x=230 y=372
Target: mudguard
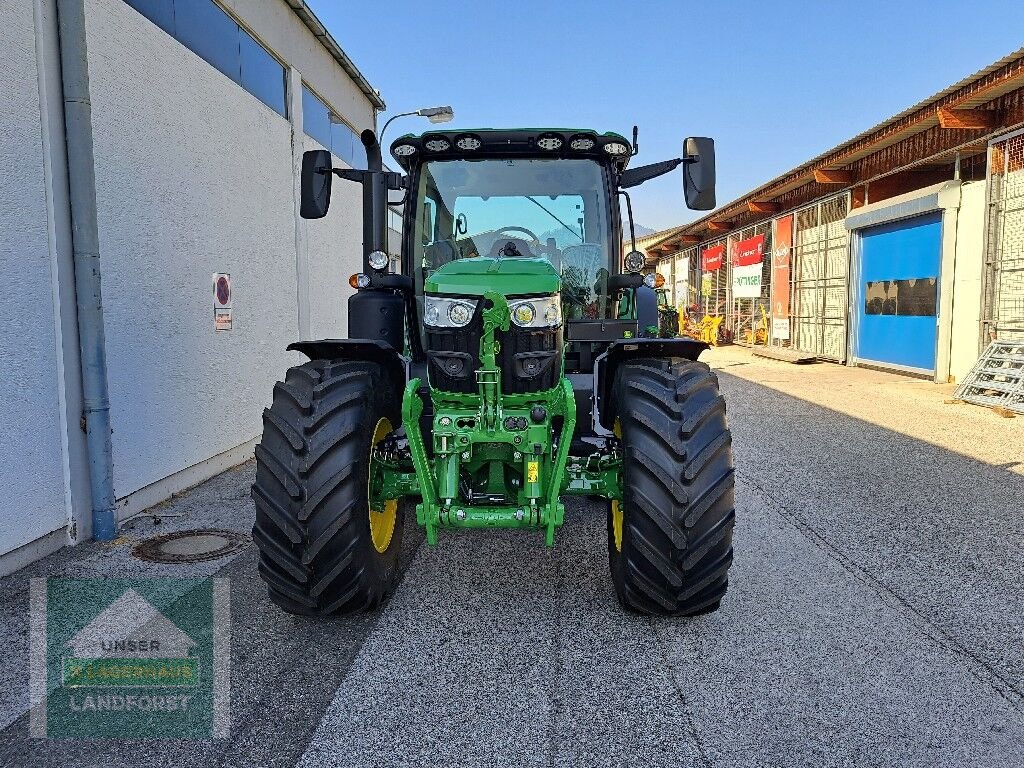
x=607 y=365
x=394 y=365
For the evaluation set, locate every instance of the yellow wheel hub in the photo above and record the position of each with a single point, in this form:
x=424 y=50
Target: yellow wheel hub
x=382 y=521
x=617 y=524
x=616 y=505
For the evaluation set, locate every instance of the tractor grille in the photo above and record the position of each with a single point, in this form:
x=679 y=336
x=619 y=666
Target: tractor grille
x=530 y=359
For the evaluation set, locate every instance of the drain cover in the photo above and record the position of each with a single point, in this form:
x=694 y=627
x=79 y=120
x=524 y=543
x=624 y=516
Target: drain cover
x=190 y=546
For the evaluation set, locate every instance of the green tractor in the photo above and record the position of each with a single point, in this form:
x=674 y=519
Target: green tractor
x=668 y=316
x=514 y=361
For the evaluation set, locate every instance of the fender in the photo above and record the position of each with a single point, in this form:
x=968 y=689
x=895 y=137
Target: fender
x=374 y=350
x=606 y=366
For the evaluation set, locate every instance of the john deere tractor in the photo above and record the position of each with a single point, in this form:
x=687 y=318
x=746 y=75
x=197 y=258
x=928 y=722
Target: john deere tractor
x=513 y=361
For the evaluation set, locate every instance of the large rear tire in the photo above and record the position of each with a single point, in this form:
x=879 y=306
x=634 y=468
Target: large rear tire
x=322 y=548
x=670 y=539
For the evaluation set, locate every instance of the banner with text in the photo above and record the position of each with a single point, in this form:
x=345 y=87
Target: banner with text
x=711 y=259
x=748 y=252
x=781 y=254
x=746 y=281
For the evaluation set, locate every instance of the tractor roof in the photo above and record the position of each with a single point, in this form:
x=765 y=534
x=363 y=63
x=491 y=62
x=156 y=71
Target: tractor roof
x=511 y=142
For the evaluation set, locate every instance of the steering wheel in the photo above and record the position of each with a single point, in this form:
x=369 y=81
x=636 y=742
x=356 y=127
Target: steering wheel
x=524 y=230
x=504 y=244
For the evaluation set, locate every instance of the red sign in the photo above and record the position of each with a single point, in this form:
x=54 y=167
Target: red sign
x=781 y=258
x=748 y=252
x=711 y=259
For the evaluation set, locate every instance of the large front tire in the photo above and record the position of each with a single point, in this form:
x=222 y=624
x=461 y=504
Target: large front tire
x=323 y=549
x=670 y=539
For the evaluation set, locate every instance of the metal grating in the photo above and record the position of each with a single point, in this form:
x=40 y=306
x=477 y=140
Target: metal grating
x=744 y=314
x=1004 y=257
x=714 y=286
x=997 y=379
x=821 y=266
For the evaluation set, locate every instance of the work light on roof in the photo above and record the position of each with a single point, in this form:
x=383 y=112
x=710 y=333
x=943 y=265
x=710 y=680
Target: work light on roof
x=438 y=144
x=549 y=143
x=404 y=150
x=468 y=143
x=581 y=143
x=616 y=148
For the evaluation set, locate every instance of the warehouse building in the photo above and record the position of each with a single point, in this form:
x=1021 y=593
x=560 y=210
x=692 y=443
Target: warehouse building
x=200 y=112
x=902 y=248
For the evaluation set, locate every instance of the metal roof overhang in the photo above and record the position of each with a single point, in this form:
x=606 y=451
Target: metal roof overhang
x=320 y=32
x=995 y=80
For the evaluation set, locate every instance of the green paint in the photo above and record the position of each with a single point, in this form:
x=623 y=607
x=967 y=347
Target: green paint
x=474 y=277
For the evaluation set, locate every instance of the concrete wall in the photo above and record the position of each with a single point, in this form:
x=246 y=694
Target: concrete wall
x=334 y=250
x=277 y=26
x=193 y=176
x=967 y=278
x=32 y=472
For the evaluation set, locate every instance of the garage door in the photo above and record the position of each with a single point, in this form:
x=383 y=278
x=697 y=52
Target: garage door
x=899 y=290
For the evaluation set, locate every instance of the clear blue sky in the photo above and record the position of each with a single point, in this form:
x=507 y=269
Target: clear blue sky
x=774 y=83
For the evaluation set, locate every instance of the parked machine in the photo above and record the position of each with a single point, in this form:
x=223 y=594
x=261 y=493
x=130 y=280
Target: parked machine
x=515 y=361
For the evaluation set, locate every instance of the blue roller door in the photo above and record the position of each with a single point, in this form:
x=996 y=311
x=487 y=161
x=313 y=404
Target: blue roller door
x=899 y=292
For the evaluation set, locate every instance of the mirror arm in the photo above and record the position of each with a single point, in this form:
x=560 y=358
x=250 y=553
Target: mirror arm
x=632 y=177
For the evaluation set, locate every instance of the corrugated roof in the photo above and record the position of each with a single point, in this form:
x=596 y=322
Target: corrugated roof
x=320 y=32
x=923 y=114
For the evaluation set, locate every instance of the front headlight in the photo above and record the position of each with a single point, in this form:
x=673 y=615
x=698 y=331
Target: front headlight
x=441 y=312
x=541 y=312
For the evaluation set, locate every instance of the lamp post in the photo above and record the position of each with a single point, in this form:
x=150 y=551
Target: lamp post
x=433 y=114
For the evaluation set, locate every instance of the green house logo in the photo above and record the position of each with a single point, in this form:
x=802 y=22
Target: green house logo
x=119 y=658
x=130 y=645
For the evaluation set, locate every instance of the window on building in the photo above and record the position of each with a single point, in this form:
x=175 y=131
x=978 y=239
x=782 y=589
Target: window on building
x=262 y=75
x=320 y=123
x=160 y=12
x=207 y=30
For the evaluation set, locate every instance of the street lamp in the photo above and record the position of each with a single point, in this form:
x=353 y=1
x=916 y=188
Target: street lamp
x=433 y=114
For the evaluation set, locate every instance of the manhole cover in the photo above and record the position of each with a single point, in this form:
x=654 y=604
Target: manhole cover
x=190 y=546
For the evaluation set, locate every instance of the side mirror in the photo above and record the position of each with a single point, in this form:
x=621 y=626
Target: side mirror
x=699 y=173
x=315 y=184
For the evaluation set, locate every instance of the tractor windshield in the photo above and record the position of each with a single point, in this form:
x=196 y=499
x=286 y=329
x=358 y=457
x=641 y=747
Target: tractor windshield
x=555 y=209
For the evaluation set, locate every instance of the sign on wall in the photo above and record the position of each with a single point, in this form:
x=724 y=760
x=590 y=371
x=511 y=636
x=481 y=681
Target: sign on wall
x=746 y=281
x=748 y=252
x=781 y=254
x=221 y=301
x=746 y=267
x=711 y=259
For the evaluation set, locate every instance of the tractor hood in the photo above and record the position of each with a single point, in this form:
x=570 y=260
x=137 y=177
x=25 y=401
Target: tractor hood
x=512 y=276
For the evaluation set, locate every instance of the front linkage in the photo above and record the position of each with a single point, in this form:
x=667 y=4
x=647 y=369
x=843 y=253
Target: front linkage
x=512 y=436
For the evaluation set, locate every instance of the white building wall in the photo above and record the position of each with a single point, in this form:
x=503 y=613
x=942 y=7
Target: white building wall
x=193 y=176
x=967 y=290
x=334 y=247
x=276 y=25
x=32 y=471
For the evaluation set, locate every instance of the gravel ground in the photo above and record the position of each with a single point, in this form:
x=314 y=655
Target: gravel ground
x=874 y=616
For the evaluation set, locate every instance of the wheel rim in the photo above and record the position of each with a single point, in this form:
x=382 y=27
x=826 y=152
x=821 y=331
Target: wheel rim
x=617 y=525
x=383 y=515
x=616 y=505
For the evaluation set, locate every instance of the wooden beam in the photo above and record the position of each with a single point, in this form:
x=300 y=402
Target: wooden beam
x=689 y=239
x=763 y=206
x=833 y=176
x=967 y=118
x=719 y=226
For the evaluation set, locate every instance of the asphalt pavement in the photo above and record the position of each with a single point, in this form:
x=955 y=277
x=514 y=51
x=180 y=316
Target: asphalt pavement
x=874 y=616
